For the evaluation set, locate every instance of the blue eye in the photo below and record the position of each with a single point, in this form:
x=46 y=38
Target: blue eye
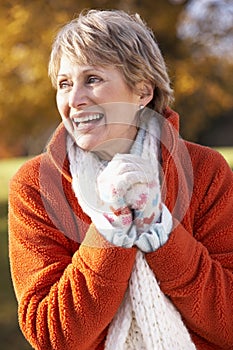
x=93 y=79
x=64 y=84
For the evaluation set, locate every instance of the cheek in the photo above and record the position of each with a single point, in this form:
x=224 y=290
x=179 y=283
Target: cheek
x=62 y=106
x=123 y=113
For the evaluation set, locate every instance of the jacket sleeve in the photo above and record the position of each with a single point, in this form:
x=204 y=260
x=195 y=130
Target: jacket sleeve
x=195 y=267
x=67 y=292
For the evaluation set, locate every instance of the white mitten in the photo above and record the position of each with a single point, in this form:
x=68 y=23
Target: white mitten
x=152 y=219
x=144 y=195
x=158 y=233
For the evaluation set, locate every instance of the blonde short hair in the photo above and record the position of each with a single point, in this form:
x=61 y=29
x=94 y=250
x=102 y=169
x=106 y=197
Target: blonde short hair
x=113 y=37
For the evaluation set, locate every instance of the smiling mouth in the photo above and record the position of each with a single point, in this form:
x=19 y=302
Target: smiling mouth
x=89 y=118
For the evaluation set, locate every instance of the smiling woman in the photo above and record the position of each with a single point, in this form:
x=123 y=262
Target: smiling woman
x=120 y=233
x=86 y=100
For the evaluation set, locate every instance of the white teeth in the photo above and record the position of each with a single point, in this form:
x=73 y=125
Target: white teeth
x=87 y=118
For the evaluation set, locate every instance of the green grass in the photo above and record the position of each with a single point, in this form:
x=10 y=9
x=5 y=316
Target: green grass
x=227 y=153
x=10 y=335
x=8 y=168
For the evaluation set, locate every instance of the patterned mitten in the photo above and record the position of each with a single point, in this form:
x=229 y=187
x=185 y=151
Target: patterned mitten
x=144 y=196
x=152 y=219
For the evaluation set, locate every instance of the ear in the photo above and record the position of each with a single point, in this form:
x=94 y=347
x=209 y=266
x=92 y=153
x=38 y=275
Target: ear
x=147 y=92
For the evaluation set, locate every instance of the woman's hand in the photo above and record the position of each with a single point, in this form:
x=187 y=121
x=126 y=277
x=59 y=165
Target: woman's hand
x=145 y=199
x=135 y=182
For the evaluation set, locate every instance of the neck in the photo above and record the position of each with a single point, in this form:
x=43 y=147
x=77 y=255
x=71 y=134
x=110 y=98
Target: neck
x=108 y=149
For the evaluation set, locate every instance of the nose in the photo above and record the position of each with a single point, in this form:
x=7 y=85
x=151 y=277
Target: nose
x=78 y=96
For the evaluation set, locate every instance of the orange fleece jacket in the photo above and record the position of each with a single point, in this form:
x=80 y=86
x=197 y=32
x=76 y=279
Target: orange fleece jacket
x=69 y=282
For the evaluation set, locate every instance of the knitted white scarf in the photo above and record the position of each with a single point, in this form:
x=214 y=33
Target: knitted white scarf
x=146 y=319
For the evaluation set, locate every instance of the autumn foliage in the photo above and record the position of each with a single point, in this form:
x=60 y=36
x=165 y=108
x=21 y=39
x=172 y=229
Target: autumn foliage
x=27 y=101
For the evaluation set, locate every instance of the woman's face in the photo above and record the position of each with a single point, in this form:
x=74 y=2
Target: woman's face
x=97 y=106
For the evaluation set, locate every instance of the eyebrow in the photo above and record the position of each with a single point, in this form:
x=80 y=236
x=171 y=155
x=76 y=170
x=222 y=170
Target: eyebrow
x=89 y=69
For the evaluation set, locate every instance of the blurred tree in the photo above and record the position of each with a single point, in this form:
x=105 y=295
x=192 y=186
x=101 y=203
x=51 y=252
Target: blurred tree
x=203 y=81
x=27 y=102
x=209 y=27
x=27 y=113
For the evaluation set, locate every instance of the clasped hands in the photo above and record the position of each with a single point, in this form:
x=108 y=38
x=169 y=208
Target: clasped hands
x=124 y=203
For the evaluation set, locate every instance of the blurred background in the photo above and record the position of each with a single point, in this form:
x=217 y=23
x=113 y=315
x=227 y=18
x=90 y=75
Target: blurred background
x=196 y=39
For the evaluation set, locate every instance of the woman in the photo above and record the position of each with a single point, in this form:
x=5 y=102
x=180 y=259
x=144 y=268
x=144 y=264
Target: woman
x=121 y=232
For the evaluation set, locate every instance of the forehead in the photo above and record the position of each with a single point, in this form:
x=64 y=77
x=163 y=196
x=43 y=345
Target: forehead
x=81 y=59
x=70 y=67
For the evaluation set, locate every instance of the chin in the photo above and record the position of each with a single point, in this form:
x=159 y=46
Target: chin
x=86 y=143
